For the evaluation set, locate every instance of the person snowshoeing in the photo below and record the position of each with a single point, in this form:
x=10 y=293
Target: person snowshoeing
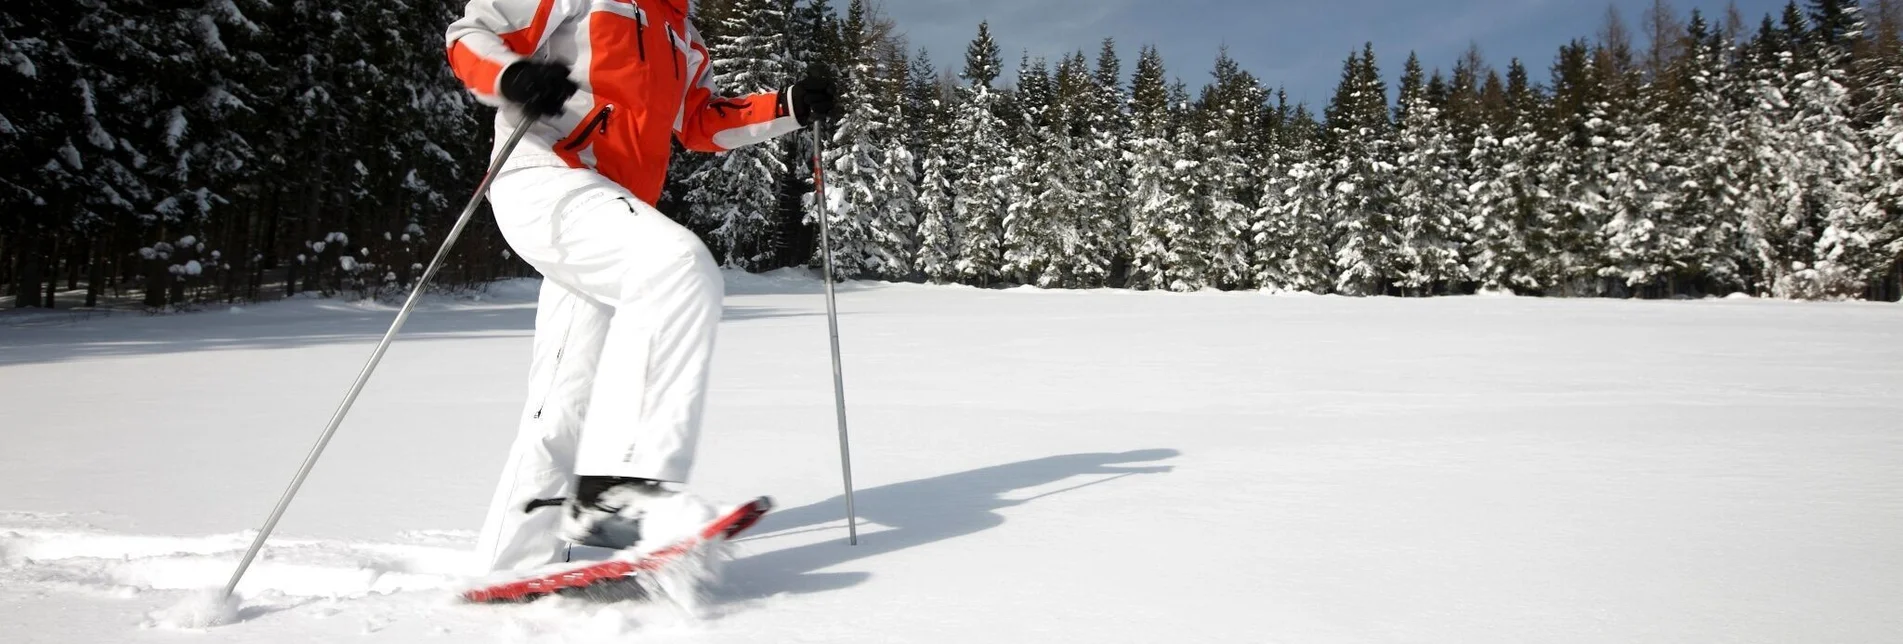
x=625 y=323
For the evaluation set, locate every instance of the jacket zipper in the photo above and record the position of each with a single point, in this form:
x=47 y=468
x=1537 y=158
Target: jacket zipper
x=598 y=124
x=641 y=33
x=676 y=51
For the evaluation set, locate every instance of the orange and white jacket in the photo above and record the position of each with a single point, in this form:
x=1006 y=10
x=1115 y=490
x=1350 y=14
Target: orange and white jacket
x=644 y=77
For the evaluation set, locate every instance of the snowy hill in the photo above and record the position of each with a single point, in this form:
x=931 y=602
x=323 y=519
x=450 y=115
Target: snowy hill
x=1033 y=466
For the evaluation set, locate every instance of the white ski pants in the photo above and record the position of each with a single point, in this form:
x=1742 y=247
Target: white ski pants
x=624 y=332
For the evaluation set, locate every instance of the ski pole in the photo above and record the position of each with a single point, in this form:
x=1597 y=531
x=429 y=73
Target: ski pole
x=363 y=377
x=832 y=323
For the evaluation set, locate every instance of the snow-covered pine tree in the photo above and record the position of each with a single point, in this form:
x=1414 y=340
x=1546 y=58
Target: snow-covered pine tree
x=1104 y=212
x=735 y=195
x=1066 y=198
x=895 y=227
x=1758 y=64
x=929 y=112
x=868 y=166
x=980 y=165
x=37 y=120
x=813 y=29
x=1850 y=249
x=1709 y=204
x=1806 y=225
x=1362 y=179
x=1151 y=159
x=1186 y=224
x=1289 y=239
x=1228 y=119
x=1669 y=183
x=1886 y=175
x=1882 y=65
x=1646 y=166
x=1430 y=188
x=1566 y=244
x=1507 y=196
x=1030 y=220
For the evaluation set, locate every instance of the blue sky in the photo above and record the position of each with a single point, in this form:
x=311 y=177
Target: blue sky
x=1296 y=44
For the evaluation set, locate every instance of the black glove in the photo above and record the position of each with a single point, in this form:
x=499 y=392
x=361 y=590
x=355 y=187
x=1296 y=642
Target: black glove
x=812 y=99
x=539 y=87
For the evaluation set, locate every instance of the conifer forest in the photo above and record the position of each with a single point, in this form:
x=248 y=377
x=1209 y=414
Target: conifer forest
x=184 y=153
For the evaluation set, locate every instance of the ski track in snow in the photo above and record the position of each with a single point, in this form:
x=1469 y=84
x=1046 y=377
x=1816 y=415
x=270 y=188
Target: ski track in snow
x=1034 y=466
x=376 y=585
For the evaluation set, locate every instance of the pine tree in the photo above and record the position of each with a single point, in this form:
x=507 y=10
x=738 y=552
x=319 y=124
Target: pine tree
x=37 y=118
x=1507 y=194
x=1836 y=26
x=895 y=223
x=980 y=164
x=1641 y=234
x=1103 y=244
x=1228 y=121
x=1151 y=158
x=736 y=195
x=1289 y=239
x=1566 y=244
x=1886 y=176
x=1186 y=222
x=1806 y=228
x=1429 y=189
x=1709 y=202
x=869 y=181
x=1067 y=197
x=1849 y=251
x=1035 y=161
x=930 y=113
x=1362 y=180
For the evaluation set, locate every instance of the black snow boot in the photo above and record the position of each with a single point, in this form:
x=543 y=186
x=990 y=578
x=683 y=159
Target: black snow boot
x=606 y=511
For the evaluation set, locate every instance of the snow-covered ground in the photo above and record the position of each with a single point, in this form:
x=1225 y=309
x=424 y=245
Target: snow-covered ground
x=1033 y=466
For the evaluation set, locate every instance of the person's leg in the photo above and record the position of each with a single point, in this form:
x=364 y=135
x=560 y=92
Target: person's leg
x=569 y=331
x=650 y=391
x=643 y=417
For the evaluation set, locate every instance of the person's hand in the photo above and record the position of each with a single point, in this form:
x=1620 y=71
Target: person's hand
x=539 y=87
x=812 y=99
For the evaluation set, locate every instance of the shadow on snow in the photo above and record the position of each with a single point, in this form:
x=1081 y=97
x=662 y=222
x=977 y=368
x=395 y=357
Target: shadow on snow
x=912 y=514
x=210 y=331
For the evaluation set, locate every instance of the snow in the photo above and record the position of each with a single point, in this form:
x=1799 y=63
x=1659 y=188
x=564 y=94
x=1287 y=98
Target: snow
x=24 y=66
x=208 y=34
x=1093 y=466
x=200 y=610
x=175 y=127
x=70 y=155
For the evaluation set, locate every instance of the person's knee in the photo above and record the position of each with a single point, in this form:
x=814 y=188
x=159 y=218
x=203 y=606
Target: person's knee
x=677 y=266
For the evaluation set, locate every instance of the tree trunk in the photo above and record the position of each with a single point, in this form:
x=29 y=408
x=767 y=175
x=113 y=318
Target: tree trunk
x=95 y=277
x=52 y=274
x=72 y=268
x=26 y=288
x=157 y=279
x=9 y=263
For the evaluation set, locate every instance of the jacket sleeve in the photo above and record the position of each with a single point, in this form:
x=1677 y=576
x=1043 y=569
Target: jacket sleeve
x=492 y=34
x=709 y=123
